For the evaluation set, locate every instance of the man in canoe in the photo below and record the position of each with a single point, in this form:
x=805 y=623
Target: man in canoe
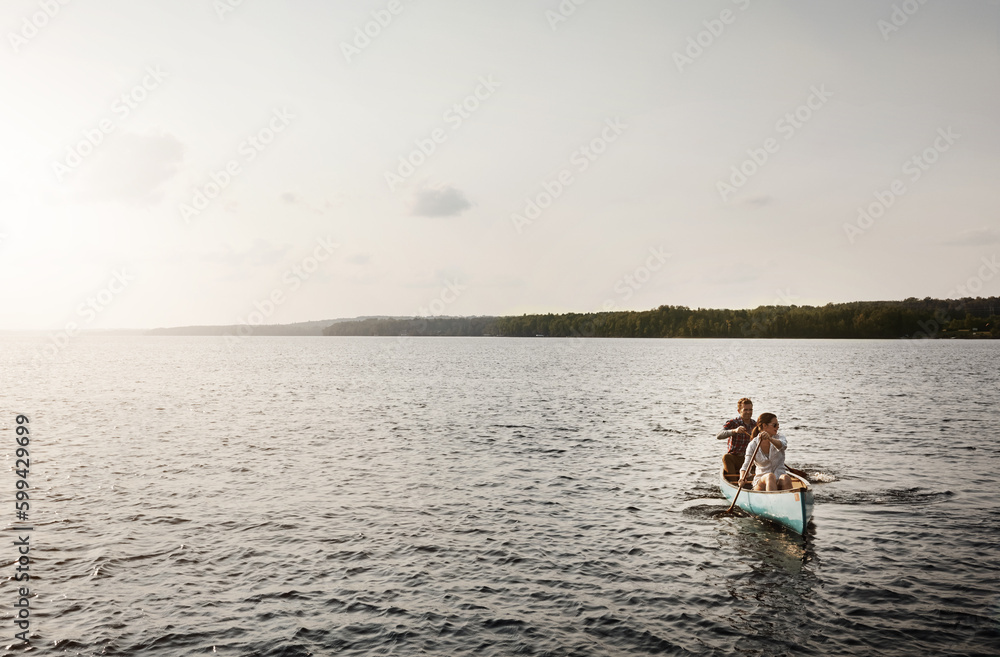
x=769 y=457
x=738 y=430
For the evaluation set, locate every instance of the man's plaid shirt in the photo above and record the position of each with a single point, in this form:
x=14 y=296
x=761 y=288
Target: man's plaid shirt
x=738 y=442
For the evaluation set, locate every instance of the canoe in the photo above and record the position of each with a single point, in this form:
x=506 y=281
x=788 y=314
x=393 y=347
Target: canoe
x=791 y=508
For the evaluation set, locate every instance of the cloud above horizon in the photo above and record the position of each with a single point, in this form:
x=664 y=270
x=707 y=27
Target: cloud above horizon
x=133 y=169
x=444 y=202
x=976 y=237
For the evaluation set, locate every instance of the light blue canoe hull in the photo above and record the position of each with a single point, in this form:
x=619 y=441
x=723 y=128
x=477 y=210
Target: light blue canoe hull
x=791 y=508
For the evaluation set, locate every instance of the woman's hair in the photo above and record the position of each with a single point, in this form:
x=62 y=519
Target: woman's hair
x=765 y=418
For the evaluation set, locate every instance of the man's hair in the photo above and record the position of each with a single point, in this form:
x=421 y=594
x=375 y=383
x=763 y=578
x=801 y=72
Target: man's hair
x=745 y=400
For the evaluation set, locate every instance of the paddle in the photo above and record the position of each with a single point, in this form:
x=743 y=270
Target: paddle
x=739 y=486
x=800 y=473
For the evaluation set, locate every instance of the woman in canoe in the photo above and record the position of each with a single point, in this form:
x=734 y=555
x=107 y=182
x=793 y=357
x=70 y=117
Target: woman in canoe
x=770 y=460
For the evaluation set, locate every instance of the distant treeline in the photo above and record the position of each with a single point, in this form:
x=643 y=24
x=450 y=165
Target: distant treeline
x=918 y=318
x=450 y=326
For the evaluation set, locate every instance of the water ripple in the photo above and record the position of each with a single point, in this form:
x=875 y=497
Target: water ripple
x=494 y=497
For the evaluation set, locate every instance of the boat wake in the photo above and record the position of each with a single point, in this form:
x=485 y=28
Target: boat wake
x=819 y=474
x=708 y=511
x=891 y=496
x=701 y=491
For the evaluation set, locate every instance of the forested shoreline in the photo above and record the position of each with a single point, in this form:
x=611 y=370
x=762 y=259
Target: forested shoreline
x=910 y=318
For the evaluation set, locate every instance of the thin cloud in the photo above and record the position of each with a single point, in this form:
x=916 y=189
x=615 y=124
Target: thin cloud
x=261 y=253
x=976 y=237
x=759 y=201
x=134 y=168
x=359 y=259
x=444 y=202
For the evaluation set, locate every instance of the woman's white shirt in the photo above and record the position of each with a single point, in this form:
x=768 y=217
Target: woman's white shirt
x=773 y=462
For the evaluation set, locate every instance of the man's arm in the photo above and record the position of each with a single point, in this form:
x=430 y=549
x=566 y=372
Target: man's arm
x=728 y=431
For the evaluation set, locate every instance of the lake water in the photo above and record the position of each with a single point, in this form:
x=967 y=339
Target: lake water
x=384 y=496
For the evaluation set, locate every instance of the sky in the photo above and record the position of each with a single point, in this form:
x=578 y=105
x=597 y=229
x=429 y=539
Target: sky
x=198 y=162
